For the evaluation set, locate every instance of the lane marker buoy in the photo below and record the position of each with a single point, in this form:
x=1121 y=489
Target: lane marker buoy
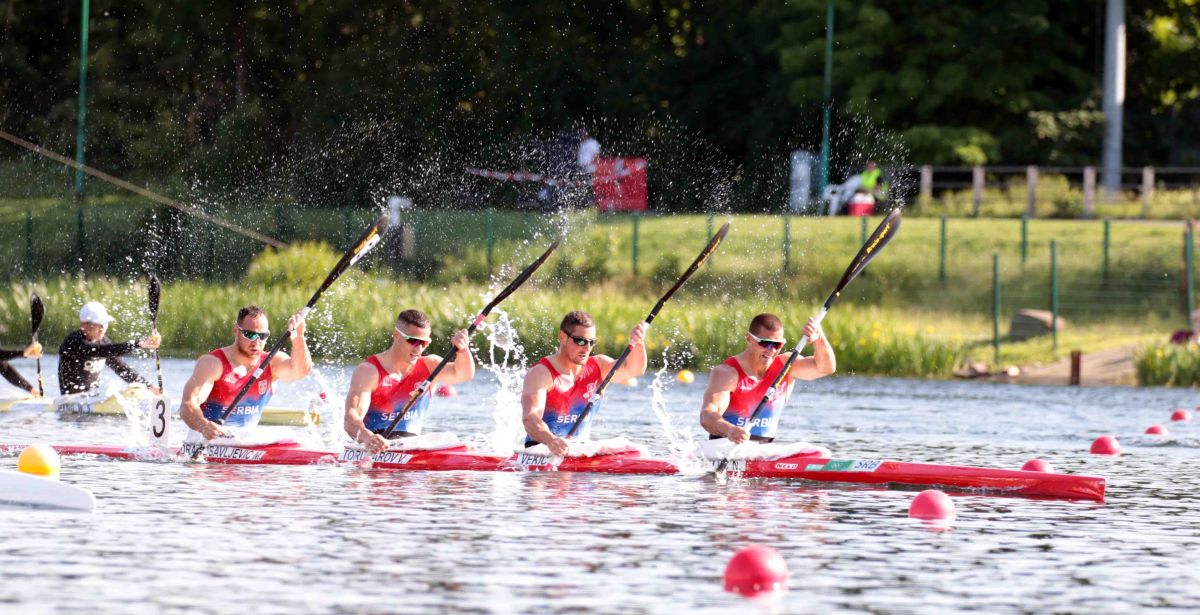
x=1037 y=465
x=1106 y=445
x=754 y=570
x=932 y=505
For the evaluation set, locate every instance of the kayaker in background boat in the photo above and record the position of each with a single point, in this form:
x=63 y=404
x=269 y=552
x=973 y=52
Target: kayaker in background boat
x=85 y=353
x=383 y=384
x=557 y=388
x=736 y=386
x=220 y=374
x=10 y=374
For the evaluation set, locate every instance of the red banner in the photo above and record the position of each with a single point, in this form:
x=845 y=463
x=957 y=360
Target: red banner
x=620 y=184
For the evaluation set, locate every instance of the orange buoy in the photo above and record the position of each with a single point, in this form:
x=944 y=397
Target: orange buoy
x=755 y=570
x=1181 y=415
x=1156 y=430
x=445 y=390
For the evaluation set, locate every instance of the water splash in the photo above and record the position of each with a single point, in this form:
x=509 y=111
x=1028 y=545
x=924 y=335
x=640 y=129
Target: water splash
x=506 y=361
x=682 y=448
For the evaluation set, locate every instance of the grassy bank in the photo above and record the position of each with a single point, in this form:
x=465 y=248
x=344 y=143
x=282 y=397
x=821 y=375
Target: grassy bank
x=788 y=258
x=702 y=326
x=1168 y=364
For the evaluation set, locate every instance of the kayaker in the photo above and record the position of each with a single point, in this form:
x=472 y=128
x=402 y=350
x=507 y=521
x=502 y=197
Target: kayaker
x=85 y=352
x=220 y=374
x=736 y=385
x=32 y=351
x=383 y=384
x=558 y=387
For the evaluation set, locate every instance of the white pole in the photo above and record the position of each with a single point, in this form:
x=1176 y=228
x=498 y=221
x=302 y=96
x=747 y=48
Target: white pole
x=1114 y=94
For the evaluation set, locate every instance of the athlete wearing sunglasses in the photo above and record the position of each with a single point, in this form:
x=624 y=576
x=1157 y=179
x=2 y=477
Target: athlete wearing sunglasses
x=383 y=384
x=736 y=386
x=220 y=374
x=558 y=387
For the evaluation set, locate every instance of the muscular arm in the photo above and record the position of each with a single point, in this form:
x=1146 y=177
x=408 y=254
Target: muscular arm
x=533 y=405
x=462 y=368
x=205 y=374
x=362 y=383
x=635 y=363
x=290 y=368
x=821 y=364
x=721 y=383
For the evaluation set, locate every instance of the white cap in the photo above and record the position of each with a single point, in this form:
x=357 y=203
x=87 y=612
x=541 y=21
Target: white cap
x=93 y=311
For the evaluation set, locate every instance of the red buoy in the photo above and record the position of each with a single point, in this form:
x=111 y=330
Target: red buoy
x=445 y=390
x=1156 y=430
x=754 y=570
x=1106 y=445
x=932 y=505
x=1181 y=415
x=1037 y=465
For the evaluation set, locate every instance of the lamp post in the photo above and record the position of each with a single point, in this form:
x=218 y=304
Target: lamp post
x=83 y=62
x=823 y=177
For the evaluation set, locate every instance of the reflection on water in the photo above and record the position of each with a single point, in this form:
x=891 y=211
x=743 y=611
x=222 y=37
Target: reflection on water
x=217 y=539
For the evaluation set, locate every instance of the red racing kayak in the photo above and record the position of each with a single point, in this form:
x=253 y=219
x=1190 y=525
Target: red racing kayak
x=802 y=467
x=958 y=478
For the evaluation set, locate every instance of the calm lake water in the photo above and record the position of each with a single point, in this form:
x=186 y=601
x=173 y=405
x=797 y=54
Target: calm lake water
x=194 y=538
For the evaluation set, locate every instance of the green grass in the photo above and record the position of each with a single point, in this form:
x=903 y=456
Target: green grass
x=1056 y=198
x=1168 y=364
x=928 y=321
x=697 y=329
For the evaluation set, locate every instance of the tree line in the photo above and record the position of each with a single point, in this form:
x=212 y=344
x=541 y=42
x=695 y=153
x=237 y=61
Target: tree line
x=345 y=101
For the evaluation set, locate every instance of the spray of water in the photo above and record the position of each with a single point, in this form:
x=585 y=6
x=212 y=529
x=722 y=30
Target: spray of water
x=682 y=448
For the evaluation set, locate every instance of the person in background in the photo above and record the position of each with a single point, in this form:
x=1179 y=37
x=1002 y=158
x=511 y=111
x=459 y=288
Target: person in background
x=1186 y=336
x=589 y=149
x=31 y=351
x=872 y=181
x=86 y=351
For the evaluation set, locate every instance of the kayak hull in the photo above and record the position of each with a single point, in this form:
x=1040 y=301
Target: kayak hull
x=30 y=490
x=962 y=478
x=884 y=473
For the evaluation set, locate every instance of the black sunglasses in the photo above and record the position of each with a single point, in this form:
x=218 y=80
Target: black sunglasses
x=579 y=341
x=254 y=336
x=767 y=343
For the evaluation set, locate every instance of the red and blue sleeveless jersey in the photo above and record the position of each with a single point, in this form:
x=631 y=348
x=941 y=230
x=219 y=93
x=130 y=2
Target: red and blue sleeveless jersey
x=567 y=397
x=749 y=391
x=390 y=396
x=250 y=407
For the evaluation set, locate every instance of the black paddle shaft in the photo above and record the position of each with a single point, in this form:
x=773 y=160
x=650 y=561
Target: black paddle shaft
x=479 y=318
x=37 y=311
x=704 y=254
x=369 y=239
x=875 y=243
x=155 y=292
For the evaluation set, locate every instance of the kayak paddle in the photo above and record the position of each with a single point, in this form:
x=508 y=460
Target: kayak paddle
x=370 y=238
x=501 y=296
x=875 y=243
x=155 y=290
x=37 y=310
x=704 y=254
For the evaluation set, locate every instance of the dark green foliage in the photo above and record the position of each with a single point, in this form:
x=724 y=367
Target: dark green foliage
x=339 y=102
